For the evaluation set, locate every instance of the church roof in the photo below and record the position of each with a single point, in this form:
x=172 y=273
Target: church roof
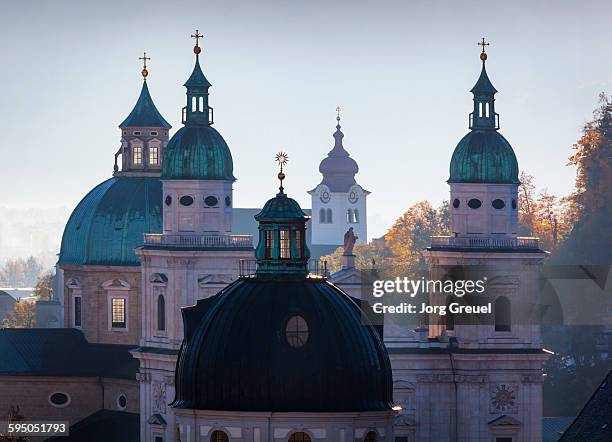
x=110 y=221
x=236 y=356
x=197 y=77
x=594 y=422
x=62 y=352
x=483 y=85
x=338 y=168
x=145 y=114
x=104 y=426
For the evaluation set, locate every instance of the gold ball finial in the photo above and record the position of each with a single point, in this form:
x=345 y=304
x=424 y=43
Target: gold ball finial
x=197 y=49
x=144 y=73
x=483 y=56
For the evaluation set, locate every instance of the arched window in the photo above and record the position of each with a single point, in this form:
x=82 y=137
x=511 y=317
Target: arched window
x=371 y=437
x=161 y=313
x=193 y=104
x=480 y=109
x=355 y=216
x=322 y=216
x=329 y=216
x=299 y=437
x=201 y=104
x=219 y=436
x=502 y=314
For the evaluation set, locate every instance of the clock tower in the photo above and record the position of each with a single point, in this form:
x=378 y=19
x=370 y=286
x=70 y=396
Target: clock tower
x=338 y=202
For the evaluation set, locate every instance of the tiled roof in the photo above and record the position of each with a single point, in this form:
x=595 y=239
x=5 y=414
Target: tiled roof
x=62 y=352
x=105 y=426
x=594 y=422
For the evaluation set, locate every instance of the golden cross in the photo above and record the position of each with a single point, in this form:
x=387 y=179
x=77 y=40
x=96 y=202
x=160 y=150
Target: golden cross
x=338 y=114
x=483 y=44
x=144 y=59
x=197 y=37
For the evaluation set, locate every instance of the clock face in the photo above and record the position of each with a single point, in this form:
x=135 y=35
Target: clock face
x=325 y=197
x=353 y=198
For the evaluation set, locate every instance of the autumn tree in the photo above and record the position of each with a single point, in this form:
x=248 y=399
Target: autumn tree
x=411 y=233
x=43 y=289
x=367 y=256
x=21 y=316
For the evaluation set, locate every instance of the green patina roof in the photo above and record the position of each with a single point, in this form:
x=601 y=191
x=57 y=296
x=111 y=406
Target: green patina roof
x=197 y=78
x=109 y=223
x=484 y=156
x=281 y=207
x=145 y=114
x=483 y=85
x=197 y=152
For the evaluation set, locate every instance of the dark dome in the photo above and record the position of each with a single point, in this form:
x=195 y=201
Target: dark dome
x=484 y=156
x=197 y=152
x=236 y=356
x=109 y=223
x=281 y=207
x=338 y=168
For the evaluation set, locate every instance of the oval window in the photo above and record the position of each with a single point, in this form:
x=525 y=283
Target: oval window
x=456 y=203
x=228 y=201
x=296 y=331
x=498 y=204
x=122 y=401
x=59 y=399
x=474 y=203
x=211 y=201
x=513 y=204
x=186 y=200
x=168 y=200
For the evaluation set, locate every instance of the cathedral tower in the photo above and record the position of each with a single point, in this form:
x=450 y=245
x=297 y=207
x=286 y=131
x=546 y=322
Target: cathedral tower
x=194 y=257
x=495 y=359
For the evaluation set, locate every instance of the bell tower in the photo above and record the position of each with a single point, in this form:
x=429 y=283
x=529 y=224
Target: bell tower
x=144 y=135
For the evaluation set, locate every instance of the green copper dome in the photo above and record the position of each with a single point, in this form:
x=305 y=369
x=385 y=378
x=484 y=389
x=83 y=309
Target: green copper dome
x=281 y=208
x=109 y=223
x=197 y=153
x=484 y=156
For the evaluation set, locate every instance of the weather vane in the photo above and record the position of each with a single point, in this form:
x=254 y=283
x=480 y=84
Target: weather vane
x=197 y=49
x=144 y=59
x=281 y=158
x=483 y=54
x=338 y=114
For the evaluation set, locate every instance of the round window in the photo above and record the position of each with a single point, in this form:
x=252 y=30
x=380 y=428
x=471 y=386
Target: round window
x=498 y=204
x=456 y=203
x=325 y=197
x=211 y=201
x=121 y=401
x=168 y=200
x=228 y=201
x=59 y=399
x=186 y=200
x=474 y=203
x=296 y=331
x=513 y=204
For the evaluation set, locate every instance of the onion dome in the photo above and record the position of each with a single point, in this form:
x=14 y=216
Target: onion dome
x=109 y=223
x=338 y=169
x=281 y=340
x=145 y=114
x=484 y=155
x=197 y=151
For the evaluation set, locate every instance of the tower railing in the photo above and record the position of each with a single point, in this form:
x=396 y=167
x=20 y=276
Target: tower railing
x=521 y=242
x=212 y=240
x=316 y=267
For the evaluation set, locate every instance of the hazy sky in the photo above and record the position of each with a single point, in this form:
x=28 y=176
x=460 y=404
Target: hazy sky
x=401 y=71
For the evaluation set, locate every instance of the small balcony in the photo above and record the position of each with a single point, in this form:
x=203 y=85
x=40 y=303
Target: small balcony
x=451 y=242
x=315 y=267
x=198 y=241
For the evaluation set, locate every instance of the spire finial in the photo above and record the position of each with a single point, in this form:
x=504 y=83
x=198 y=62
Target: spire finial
x=483 y=54
x=281 y=158
x=144 y=71
x=197 y=49
x=338 y=114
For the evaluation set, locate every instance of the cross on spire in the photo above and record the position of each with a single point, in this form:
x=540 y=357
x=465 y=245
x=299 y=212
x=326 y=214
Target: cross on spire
x=144 y=59
x=338 y=114
x=483 y=54
x=197 y=37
